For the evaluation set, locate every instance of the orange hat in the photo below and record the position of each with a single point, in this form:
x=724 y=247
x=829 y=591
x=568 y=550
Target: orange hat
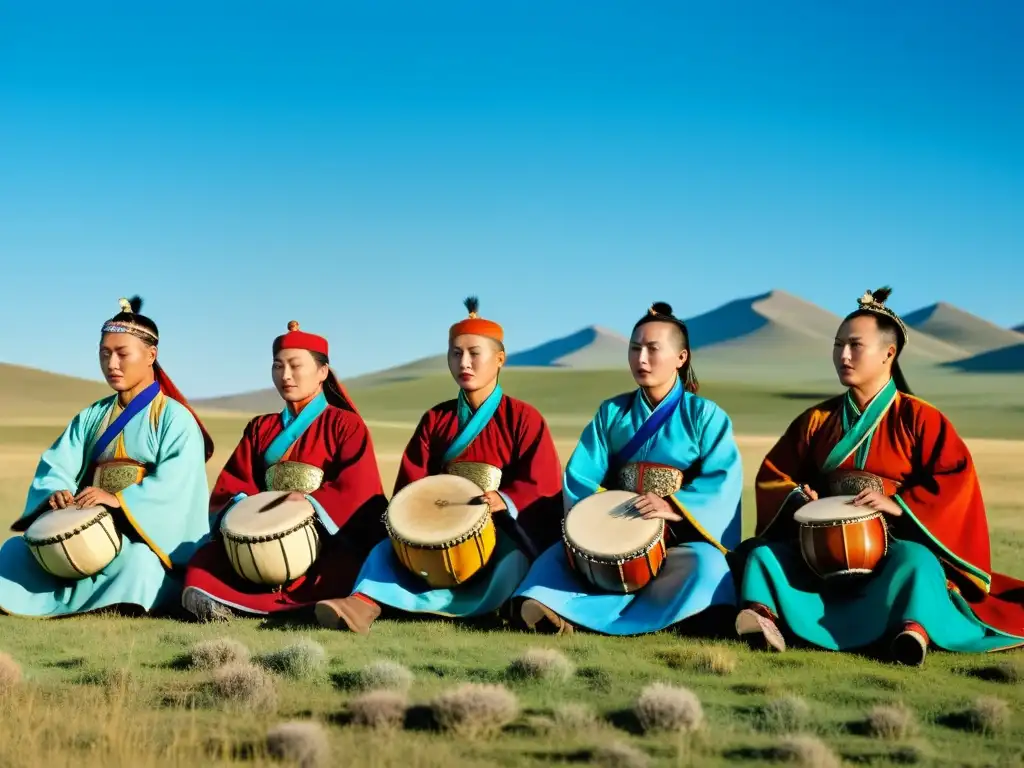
x=475 y=324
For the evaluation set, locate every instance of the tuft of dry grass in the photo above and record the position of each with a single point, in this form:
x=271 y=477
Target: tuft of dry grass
x=708 y=660
x=210 y=654
x=379 y=709
x=305 y=659
x=385 y=676
x=475 y=709
x=619 y=755
x=10 y=673
x=572 y=717
x=244 y=685
x=785 y=714
x=987 y=714
x=299 y=741
x=808 y=751
x=541 y=664
x=662 y=707
x=891 y=721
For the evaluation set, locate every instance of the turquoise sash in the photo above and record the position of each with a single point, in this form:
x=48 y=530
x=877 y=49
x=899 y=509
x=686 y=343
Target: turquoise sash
x=472 y=424
x=294 y=427
x=859 y=428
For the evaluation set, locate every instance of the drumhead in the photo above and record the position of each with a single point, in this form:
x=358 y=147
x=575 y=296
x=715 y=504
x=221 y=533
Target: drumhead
x=249 y=519
x=435 y=510
x=606 y=525
x=831 y=509
x=63 y=522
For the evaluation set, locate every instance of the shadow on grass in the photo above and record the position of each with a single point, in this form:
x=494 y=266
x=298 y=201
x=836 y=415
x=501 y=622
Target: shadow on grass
x=596 y=679
x=1005 y=672
x=75 y=663
x=625 y=720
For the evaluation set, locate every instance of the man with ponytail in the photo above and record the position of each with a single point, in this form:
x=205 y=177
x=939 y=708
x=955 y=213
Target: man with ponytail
x=319 y=449
x=485 y=428
x=903 y=458
x=145 y=432
x=676 y=449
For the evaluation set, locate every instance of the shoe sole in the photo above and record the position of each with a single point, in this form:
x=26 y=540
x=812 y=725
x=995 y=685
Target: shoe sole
x=204 y=607
x=752 y=626
x=909 y=649
x=533 y=613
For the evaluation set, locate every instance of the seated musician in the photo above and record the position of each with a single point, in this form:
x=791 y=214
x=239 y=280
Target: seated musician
x=485 y=427
x=141 y=454
x=903 y=458
x=677 y=450
x=319 y=449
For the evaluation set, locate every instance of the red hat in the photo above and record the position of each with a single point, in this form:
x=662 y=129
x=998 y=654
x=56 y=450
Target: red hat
x=296 y=339
x=475 y=324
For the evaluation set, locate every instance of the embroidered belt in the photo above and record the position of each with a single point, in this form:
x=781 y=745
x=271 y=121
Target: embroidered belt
x=486 y=476
x=645 y=477
x=117 y=474
x=293 y=476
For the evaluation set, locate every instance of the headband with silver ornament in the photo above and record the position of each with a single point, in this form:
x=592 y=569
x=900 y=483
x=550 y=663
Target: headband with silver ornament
x=126 y=326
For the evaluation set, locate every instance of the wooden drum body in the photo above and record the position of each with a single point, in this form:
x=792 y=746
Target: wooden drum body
x=438 y=533
x=74 y=543
x=840 y=540
x=271 y=541
x=610 y=544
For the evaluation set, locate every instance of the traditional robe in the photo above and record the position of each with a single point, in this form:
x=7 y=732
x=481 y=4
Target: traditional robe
x=349 y=504
x=937 y=572
x=507 y=434
x=162 y=517
x=686 y=432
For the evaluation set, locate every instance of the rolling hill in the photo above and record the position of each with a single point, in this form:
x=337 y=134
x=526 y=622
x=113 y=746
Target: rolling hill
x=29 y=393
x=591 y=348
x=960 y=329
x=1003 y=360
x=1019 y=328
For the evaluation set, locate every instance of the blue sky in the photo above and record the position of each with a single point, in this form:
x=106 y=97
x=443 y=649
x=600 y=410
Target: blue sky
x=361 y=167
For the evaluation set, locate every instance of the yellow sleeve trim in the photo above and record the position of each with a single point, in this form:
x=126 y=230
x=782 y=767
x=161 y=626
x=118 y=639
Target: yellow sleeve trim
x=138 y=529
x=697 y=526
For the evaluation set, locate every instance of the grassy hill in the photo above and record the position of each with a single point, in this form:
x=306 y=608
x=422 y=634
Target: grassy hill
x=591 y=348
x=960 y=329
x=28 y=393
x=1003 y=360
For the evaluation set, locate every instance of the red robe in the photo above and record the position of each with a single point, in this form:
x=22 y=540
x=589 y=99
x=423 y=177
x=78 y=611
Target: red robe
x=919 y=457
x=518 y=442
x=337 y=442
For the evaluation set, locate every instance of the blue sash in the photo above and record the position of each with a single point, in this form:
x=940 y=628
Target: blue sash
x=472 y=424
x=650 y=426
x=140 y=401
x=294 y=427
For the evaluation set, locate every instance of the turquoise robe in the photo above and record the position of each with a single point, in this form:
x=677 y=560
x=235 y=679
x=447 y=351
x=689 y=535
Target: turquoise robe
x=162 y=519
x=695 y=575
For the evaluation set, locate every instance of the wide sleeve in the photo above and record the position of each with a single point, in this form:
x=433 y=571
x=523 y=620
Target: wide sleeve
x=416 y=458
x=60 y=466
x=942 y=499
x=238 y=477
x=168 y=510
x=782 y=472
x=587 y=467
x=710 y=502
x=533 y=490
x=351 y=497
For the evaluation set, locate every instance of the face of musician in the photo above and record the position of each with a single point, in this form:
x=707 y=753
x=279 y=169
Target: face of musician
x=298 y=375
x=474 y=361
x=126 y=361
x=863 y=353
x=656 y=353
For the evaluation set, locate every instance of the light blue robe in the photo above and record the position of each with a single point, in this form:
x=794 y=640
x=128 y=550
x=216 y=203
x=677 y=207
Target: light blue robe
x=167 y=510
x=695 y=575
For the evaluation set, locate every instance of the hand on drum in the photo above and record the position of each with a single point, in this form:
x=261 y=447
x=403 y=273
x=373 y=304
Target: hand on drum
x=652 y=507
x=809 y=492
x=94 y=497
x=878 y=502
x=295 y=496
x=494 y=501
x=61 y=500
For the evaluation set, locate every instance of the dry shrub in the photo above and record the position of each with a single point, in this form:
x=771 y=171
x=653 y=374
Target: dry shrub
x=709 y=660
x=785 y=714
x=245 y=685
x=210 y=654
x=807 y=751
x=663 y=707
x=569 y=717
x=542 y=664
x=619 y=755
x=10 y=673
x=379 y=709
x=302 y=742
x=475 y=709
x=891 y=721
x=302 y=660
x=385 y=676
x=987 y=714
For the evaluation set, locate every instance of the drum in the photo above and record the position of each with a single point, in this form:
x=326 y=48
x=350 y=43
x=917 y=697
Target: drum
x=271 y=541
x=838 y=539
x=437 y=533
x=611 y=545
x=74 y=543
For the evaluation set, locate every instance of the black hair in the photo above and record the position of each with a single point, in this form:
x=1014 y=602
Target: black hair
x=661 y=312
x=133 y=318
x=890 y=326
